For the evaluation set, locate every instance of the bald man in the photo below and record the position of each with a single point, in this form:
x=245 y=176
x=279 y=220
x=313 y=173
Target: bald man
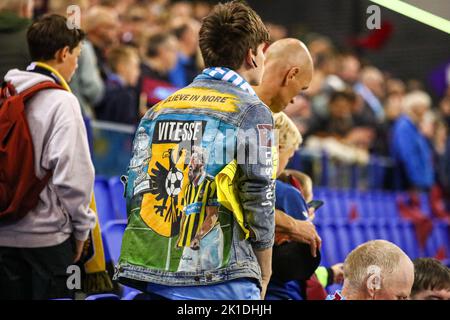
x=376 y=270
x=288 y=71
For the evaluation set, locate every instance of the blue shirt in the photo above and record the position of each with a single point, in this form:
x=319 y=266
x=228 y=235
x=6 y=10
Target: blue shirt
x=336 y=296
x=289 y=200
x=413 y=154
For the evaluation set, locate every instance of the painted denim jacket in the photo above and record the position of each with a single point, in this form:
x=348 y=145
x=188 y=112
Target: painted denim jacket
x=178 y=233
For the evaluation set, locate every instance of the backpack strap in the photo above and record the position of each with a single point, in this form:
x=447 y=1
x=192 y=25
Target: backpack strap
x=7 y=90
x=27 y=94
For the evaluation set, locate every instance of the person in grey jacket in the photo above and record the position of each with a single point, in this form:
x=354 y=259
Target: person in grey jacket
x=36 y=251
x=15 y=17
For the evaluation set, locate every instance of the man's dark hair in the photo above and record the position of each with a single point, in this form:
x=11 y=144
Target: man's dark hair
x=180 y=30
x=228 y=32
x=430 y=274
x=346 y=94
x=154 y=42
x=49 y=34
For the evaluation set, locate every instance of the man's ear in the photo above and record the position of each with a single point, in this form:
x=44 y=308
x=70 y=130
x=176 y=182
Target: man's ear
x=290 y=75
x=249 y=59
x=61 y=54
x=373 y=283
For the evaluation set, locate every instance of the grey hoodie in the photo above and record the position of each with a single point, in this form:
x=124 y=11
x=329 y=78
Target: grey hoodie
x=60 y=145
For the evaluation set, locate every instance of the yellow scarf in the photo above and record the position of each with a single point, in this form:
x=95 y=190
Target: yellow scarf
x=96 y=279
x=227 y=195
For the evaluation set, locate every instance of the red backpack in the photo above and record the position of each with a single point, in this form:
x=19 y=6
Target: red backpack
x=19 y=186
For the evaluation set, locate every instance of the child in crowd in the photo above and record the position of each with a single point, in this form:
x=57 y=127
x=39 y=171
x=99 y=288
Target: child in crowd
x=120 y=103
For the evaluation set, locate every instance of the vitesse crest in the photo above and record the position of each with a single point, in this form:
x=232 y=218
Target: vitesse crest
x=162 y=173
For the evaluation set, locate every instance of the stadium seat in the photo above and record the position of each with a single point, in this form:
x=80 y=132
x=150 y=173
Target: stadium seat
x=357 y=234
x=324 y=213
x=346 y=199
x=104 y=296
x=425 y=204
x=323 y=259
x=112 y=235
x=409 y=241
x=390 y=206
x=438 y=240
x=369 y=229
x=343 y=238
x=329 y=244
x=365 y=205
x=118 y=200
x=381 y=229
x=130 y=294
x=103 y=201
x=394 y=232
x=335 y=204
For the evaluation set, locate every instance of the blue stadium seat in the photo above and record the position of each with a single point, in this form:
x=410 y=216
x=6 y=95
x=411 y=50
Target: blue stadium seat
x=381 y=230
x=324 y=213
x=323 y=259
x=439 y=238
x=425 y=204
x=409 y=240
x=329 y=244
x=432 y=245
x=112 y=235
x=104 y=296
x=130 y=294
x=335 y=204
x=364 y=203
x=103 y=201
x=394 y=232
x=346 y=199
x=357 y=234
x=344 y=242
x=390 y=206
x=118 y=201
x=370 y=232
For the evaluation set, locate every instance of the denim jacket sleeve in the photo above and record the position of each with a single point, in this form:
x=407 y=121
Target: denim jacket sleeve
x=255 y=183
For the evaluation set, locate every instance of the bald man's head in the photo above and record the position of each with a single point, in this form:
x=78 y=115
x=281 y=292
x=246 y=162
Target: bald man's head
x=378 y=269
x=289 y=52
x=288 y=71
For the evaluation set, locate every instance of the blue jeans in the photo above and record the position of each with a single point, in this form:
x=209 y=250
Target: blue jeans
x=239 y=289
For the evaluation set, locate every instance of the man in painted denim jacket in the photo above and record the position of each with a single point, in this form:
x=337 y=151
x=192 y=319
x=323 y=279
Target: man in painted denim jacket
x=200 y=188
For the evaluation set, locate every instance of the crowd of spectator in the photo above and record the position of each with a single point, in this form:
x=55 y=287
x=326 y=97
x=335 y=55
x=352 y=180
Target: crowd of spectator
x=138 y=52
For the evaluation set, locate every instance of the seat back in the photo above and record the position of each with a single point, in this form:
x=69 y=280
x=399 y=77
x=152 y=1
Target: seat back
x=118 y=200
x=103 y=201
x=112 y=235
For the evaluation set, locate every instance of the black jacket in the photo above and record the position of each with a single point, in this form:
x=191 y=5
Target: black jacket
x=13 y=42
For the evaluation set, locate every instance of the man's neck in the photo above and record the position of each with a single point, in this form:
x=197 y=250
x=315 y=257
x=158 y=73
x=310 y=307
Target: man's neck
x=55 y=65
x=265 y=95
x=246 y=74
x=348 y=294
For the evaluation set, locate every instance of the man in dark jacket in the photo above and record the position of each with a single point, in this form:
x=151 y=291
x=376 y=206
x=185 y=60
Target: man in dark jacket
x=15 y=17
